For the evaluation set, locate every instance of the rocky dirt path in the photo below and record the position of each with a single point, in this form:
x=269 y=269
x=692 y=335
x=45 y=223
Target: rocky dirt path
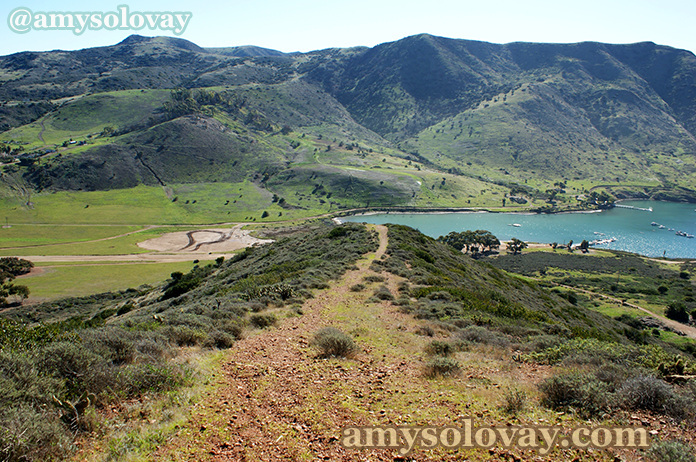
x=276 y=400
x=272 y=399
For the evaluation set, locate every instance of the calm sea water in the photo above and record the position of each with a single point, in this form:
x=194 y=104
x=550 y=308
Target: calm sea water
x=630 y=227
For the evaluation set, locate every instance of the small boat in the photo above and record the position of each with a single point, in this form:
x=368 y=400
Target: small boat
x=516 y=225
x=603 y=241
x=654 y=224
x=689 y=236
x=661 y=227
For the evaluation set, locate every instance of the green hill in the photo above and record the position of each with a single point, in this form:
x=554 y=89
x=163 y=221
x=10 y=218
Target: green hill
x=520 y=115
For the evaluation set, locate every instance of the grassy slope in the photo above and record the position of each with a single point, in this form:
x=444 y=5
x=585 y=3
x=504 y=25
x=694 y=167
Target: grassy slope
x=88 y=115
x=434 y=287
x=624 y=278
x=523 y=135
x=276 y=374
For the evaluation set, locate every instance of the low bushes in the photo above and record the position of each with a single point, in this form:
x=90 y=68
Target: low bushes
x=28 y=434
x=439 y=348
x=50 y=390
x=671 y=451
x=584 y=393
x=593 y=394
x=483 y=336
x=262 y=320
x=514 y=401
x=440 y=366
x=332 y=342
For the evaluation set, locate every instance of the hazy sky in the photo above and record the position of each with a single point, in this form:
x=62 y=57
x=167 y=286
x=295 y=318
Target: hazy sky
x=304 y=25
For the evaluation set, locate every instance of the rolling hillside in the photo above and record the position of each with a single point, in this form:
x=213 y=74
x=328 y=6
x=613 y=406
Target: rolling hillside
x=373 y=126
x=428 y=335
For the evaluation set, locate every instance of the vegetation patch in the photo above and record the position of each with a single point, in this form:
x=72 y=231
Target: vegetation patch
x=331 y=342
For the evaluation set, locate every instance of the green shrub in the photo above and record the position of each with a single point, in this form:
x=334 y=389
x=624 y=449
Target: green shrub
x=81 y=369
x=373 y=278
x=481 y=335
x=357 y=287
x=137 y=379
x=383 y=293
x=262 y=320
x=22 y=382
x=442 y=367
x=652 y=394
x=113 y=343
x=677 y=311
x=333 y=342
x=220 y=340
x=186 y=336
x=425 y=331
x=439 y=348
x=338 y=231
x=125 y=308
x=514 y=401
x=29 y=435
x=582 y=393
x=671 y=451
x=234 y=327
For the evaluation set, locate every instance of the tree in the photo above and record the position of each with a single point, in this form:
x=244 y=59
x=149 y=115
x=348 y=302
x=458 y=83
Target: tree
x=486 y=239
x=677 y=311
x=460 y=241
x=585 y=246
x=7 y=289
x=11 y=267
x=516 y=246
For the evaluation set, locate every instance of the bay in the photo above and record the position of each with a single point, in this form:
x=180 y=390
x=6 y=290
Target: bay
x=627 y=225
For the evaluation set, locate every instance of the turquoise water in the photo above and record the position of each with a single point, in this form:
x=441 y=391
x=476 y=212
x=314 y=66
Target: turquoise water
x=631 y=228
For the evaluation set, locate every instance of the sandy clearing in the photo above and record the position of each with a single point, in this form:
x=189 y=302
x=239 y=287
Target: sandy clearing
x=203 y=241
x=201 y=244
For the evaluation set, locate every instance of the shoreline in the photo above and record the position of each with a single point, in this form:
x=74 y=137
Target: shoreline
x=630 y=240
x=439 y=211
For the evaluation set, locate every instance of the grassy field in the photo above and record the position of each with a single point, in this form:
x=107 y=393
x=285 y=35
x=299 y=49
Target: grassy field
x=42 y=235
x=60 y=281
x=148 y=205
x=118 y=245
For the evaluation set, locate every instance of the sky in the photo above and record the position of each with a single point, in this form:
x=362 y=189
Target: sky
x=306 y=25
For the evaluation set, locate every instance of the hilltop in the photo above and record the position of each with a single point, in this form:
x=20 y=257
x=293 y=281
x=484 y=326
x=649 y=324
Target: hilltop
x=421 y=122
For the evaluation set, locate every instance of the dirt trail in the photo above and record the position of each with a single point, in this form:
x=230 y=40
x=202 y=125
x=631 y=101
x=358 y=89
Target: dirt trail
x=276 y=401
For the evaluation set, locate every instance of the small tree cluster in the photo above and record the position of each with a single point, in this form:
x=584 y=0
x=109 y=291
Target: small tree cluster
x=471 y=241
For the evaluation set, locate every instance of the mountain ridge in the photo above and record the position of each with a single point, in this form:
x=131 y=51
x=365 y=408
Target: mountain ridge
x=587 y=113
